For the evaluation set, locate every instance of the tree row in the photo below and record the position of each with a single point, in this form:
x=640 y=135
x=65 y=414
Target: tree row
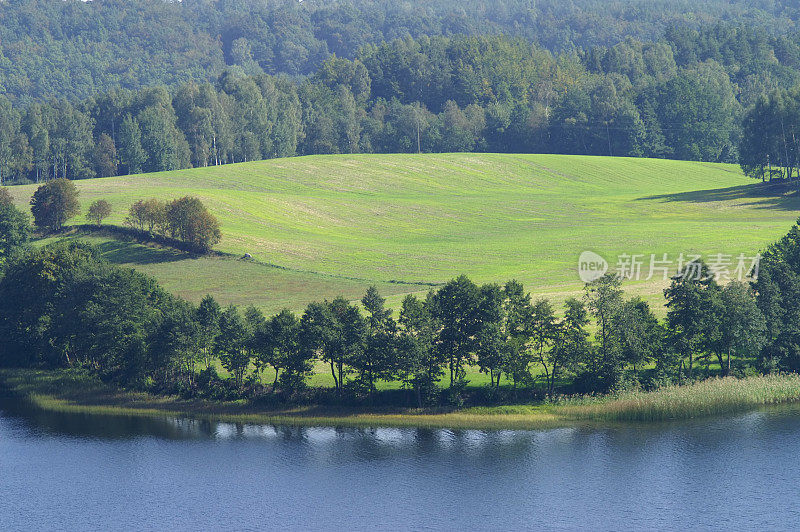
x=682 y=99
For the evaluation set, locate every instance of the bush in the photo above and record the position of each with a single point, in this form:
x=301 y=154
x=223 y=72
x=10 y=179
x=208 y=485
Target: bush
x=98 y=211
x=54 y=203
x=148 y=215
x=190 y=222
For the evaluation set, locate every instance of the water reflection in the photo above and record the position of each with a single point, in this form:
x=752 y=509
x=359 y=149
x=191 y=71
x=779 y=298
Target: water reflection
x=154 y=473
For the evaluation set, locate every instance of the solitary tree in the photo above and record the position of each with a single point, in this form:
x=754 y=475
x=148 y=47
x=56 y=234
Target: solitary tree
x=98 y=211
x=190 y=222
x=54 y=203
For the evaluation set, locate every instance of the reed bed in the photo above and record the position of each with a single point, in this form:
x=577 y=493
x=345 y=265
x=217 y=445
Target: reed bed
x=706 y=398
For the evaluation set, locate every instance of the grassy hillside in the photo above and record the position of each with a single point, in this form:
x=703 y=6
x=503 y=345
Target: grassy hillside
x=335 y=224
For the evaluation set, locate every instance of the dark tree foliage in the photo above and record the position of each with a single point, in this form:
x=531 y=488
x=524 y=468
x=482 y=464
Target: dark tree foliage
x=691 y=314
x=14 y=229
x=54 y=203
x=189 y=221
x=455 y=308
x=778 y=290
x=129 y=44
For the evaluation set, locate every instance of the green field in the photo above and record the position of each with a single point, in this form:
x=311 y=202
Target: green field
x=322 y=226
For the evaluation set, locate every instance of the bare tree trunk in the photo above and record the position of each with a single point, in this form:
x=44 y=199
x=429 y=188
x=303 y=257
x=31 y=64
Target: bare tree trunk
x=333 y=372
x=729 y=363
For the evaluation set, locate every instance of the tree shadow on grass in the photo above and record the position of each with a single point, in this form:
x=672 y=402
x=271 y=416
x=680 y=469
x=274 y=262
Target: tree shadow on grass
x=778 y=196
x=122 y=252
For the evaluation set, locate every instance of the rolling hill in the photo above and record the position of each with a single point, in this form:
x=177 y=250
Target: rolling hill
x=321 y=226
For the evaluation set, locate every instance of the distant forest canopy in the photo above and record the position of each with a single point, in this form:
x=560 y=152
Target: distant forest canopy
x=265 y=85
x=72 y=48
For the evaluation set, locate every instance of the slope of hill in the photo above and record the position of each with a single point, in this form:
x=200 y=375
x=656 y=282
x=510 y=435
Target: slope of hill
x=335 y=224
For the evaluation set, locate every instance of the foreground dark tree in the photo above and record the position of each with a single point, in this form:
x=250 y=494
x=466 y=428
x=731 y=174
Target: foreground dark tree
x=378 y=358
x=517 y=331
x=14 y=229
x=604 y=299
x=286 y=352
x=571 y=347
x=208 y=315
x=491 y=348
x=54 y=203
x=741 y=324
x=778 y=298
x=232 y=343
x=454 y=308
x=543 y=329
x=639 y=334
x=419 y=360
x=690 y=311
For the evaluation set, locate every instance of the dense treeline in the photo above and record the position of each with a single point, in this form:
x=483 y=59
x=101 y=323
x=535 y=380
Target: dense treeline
x=770 y=146
x=683 y=97
x=63 y=305
x=77 y=49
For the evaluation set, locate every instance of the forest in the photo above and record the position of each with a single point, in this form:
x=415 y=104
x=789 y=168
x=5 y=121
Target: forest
x=251 y=81
x=84 y=48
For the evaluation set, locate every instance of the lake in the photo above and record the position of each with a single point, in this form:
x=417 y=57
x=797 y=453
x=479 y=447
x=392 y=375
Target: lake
x=85 y=472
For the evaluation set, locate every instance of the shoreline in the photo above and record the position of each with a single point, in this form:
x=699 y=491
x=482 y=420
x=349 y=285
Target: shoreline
x=71 y=391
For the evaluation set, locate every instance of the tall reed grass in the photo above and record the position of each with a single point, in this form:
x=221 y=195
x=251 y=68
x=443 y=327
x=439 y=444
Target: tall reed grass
x=706 y=398
x=76 y=392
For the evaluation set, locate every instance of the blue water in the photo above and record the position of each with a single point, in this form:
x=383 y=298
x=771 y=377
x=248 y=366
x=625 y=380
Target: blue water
x=80 y=472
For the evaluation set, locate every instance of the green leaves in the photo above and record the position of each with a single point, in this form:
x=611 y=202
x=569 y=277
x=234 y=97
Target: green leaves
x=54 y=203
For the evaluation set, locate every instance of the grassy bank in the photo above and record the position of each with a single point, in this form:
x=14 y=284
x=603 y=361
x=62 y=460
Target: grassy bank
x=77 y=392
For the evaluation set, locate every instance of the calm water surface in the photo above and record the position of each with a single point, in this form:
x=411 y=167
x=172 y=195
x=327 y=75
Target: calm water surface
x=79 y=472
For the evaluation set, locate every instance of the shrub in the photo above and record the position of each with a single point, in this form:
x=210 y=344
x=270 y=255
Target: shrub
x=98 y=211
x=54 y=203
x=190 y=222
x=148 y=215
